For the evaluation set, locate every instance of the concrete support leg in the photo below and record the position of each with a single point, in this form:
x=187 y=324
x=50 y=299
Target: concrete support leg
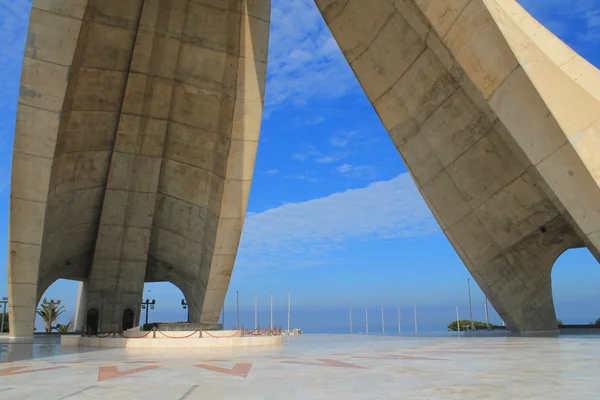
x=518 y=281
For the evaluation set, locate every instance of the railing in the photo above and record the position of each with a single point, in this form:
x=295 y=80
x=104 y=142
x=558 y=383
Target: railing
x=240 y=332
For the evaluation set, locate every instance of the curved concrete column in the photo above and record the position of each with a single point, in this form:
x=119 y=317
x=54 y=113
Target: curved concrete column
x=138 y=124
x=473 y=95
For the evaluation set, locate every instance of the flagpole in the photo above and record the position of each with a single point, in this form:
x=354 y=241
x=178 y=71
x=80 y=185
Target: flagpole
x=399 y=327
x=289 y=309
x=351 y=321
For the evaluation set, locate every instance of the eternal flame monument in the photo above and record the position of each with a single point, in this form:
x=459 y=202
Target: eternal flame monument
x=138 y=123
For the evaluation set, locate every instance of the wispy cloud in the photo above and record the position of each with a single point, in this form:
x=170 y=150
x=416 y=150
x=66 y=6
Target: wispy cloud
x=272 y=171
x=305 y=176
x=307 y=152
x=304 y=59
x=305 y=234
x=331 y=159
x=338 y=142
x=356 y=171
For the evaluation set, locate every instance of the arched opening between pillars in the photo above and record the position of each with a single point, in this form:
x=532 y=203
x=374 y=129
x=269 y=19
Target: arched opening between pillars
x=128 y=319
x=61 y=295
x=92 y=321
x=575 y=281
x=168 y=306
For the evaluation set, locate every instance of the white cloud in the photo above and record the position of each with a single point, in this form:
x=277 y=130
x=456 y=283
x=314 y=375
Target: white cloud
x=331 y=159
x=304 y=59
x=303 y=234
x=272 y=171
x=344 y=168
x=356 y=171
x=304 y=177
x=308 y=151
x=338 y=142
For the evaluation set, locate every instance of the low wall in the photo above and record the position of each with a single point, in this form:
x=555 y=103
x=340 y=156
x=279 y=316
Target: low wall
x=172 y=339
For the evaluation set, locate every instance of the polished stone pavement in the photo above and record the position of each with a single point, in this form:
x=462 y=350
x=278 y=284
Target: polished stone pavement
x=311 y=367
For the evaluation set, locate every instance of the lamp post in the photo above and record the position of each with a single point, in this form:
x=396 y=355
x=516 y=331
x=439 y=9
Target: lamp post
x=5 y=302
x=183 y=304
x=51 y=310
x=146 y=305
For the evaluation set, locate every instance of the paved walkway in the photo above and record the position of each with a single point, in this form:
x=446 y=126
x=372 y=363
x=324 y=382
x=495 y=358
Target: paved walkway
x=311 y=367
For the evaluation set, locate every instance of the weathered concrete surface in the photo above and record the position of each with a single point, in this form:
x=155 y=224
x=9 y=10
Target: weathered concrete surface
x=498 y=122
x=138 y=124
x=137 y=128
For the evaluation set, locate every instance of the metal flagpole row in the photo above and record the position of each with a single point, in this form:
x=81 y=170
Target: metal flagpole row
x=383 y=321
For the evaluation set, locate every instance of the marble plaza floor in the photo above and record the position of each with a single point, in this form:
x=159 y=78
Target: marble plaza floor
x=311 y=367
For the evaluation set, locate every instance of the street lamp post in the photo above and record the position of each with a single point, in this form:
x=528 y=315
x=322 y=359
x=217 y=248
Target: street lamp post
x=52 y=304
x=5 y=302
x=146 y=305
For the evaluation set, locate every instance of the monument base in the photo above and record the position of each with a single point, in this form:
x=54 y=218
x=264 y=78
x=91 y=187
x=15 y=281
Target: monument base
x=174 y=339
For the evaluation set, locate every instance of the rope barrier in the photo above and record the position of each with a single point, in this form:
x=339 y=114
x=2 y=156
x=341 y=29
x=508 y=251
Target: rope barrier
x=260 y=333
x=178 y=337
x=104 y=336
x=222 y=337
x=134 y=337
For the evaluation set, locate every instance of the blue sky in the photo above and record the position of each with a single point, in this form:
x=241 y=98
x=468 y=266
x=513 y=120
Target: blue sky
x=333 y=215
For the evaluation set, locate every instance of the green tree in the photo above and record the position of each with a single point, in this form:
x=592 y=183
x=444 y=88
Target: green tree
x=559 y=322
x=64 y=328
x=465 y=325
x=49 y=313
x=597 y=323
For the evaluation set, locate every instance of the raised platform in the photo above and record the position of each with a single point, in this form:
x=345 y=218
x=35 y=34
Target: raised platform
x=174 y=339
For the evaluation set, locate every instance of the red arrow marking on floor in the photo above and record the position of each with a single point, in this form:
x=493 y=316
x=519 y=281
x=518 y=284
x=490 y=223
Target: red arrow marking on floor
x=239 y=369
x=106 y=373
x=17 y=370
x=326 y=362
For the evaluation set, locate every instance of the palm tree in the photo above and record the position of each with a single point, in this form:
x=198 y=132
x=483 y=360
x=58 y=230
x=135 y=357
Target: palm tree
x=49 y=313
x=64 y=328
